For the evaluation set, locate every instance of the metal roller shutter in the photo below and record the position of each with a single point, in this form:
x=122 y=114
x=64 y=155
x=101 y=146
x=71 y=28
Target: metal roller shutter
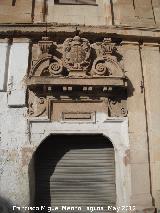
x=76 y=171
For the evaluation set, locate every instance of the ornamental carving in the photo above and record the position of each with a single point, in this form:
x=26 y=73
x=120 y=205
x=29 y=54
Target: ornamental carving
x=117 y=107
x=47 y=64
x=36 y=105
x=45 y=45
x=106 y=63
x=75 y=70
x=76 y=55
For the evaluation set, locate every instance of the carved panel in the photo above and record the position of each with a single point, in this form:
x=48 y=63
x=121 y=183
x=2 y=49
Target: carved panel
x=78 y=116
x=70 y=107
x=37 y=106
x=76 y=57
x=117 y=108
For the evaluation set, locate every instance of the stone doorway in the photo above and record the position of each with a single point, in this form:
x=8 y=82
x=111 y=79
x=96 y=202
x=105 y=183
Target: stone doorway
x=75 y=170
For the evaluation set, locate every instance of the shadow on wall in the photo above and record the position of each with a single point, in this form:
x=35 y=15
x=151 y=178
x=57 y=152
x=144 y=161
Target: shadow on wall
x=6 y=206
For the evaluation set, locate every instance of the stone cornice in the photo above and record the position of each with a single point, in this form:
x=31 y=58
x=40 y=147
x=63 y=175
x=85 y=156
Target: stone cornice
x=38 y=30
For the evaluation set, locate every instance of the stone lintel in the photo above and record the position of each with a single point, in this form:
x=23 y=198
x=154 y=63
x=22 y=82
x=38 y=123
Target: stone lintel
x=110 y=81
x=134 y=43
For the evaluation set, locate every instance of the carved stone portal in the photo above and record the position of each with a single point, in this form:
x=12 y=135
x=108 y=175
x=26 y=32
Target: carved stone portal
x=76 y=71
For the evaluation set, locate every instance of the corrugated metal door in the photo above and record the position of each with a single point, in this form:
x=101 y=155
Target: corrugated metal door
x=76 y=171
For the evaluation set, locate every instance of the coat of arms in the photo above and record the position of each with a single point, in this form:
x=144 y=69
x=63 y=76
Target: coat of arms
x=76 y=55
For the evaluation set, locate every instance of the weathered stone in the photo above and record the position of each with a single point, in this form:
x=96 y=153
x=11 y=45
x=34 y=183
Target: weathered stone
x=137 y=127
x=4 y=50
x=16 y=72
x=20 y=12
x=151 y=64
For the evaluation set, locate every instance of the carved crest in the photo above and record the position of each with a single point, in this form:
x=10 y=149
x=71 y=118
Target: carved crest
x=76 y=54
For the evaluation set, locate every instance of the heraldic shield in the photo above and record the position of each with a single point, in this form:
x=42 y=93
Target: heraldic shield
x=76 y=56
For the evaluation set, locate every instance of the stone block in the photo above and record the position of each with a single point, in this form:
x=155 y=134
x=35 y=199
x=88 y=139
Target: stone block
x=18 y=65
x=38 y=11
x=78 y=14
x=143 y=9
x=18 y=13
x=140 y=178
x=123 y=12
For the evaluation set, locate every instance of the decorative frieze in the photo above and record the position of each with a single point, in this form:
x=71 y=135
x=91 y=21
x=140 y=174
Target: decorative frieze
x=42 y=105
x=76 y=57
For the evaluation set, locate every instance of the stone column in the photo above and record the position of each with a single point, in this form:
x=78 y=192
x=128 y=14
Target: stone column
x=18 y=66
x=4 y=50
x=140 y=184
x=151 y=71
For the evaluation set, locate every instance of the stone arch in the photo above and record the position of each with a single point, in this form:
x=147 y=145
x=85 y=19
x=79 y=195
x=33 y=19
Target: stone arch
x=92 y=141
x=116 y=130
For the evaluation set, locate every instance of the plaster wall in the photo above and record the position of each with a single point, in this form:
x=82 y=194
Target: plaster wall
x=13 y=129
x=151 y=63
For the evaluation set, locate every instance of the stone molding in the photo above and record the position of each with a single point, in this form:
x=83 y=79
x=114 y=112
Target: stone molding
x=119 y=31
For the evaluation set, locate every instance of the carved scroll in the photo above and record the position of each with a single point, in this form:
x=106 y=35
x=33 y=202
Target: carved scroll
x=36 y=105
x=117 y=107
x=106 y=63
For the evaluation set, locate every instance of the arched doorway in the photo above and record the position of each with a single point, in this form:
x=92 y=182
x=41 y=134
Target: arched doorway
x=75 y=170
